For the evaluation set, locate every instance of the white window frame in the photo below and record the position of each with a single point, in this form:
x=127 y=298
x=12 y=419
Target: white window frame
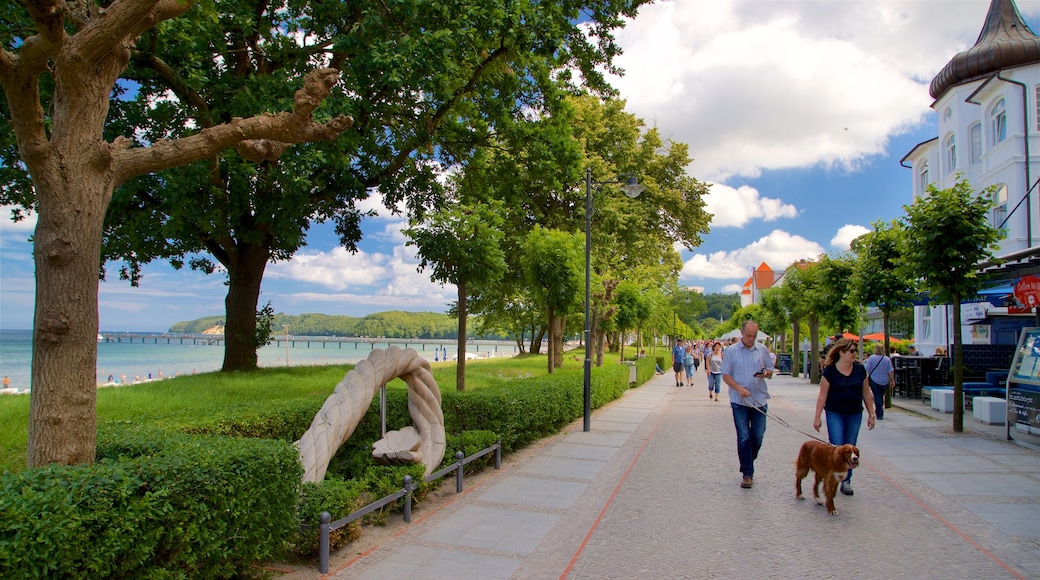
x=922 y=177
x=975 y=131
x=998 y=122
x=950 y=153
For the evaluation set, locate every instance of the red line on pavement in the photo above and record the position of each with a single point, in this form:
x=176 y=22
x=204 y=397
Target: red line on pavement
x=617 y=488
x=946 y=523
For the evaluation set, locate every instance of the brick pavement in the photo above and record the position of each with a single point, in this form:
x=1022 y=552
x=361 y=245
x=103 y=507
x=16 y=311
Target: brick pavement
x=653 y=491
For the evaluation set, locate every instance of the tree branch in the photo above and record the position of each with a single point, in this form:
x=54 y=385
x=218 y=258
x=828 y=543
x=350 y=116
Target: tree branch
x=286 y=127
x=122 y=22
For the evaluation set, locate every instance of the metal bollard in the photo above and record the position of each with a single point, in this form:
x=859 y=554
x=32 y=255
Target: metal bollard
x=324 y=519
x=498 y=454
x=459 y=456
x=408 y=499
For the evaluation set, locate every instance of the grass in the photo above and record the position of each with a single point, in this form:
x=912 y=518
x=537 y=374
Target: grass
x=182 y=401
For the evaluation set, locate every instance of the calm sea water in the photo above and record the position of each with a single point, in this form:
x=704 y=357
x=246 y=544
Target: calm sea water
x=124 y=361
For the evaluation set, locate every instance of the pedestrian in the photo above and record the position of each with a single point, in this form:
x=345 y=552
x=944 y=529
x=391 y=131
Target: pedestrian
x=7 y=381
x=698 y=354
x=688 y=360
x=882 y=376
x=713 y=368
x=679 y=362
x=844 y=388
x=745 y=366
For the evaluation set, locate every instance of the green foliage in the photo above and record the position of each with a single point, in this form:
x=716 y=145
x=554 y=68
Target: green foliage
x=264 y=322
x=336 y=496
x=192 y=507
x=947 y=234
x=553 y=265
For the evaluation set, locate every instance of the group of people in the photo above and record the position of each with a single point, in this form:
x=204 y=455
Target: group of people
x=688 y=357
x=847 y=386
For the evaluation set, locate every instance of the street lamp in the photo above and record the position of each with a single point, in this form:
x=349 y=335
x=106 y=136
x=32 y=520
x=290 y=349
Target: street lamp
x=632 y=189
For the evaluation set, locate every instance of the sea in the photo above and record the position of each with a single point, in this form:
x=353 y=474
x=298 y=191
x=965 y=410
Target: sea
x=122 y=361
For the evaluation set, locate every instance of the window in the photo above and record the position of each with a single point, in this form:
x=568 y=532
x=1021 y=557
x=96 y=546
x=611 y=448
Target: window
x=922 y=181
x=947 y=116
x=976 y=143
x=998 y=122
x=1000 y=199
x=950 y=147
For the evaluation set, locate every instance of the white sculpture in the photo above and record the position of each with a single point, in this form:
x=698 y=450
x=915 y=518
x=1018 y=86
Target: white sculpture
x=342 y=413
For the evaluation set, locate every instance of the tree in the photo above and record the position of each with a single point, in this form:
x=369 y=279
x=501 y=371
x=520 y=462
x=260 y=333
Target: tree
x=461 y=246
x=947 y=235
x=553 y=263
x=58 y=70
x=426 y=82
x=837 y=304
x=877 y=279
x=801 y=295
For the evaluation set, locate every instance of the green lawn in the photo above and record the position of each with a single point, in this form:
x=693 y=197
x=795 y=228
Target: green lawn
x=181 y=401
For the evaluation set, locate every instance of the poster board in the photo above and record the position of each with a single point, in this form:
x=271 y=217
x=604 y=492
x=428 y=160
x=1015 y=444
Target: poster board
x=783 y=363
x=1025 y=366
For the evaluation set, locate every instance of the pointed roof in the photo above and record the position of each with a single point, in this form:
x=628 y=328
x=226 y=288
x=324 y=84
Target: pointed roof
x=1005 y=41
x=763 y=267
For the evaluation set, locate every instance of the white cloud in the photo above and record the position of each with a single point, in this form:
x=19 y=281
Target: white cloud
x=20 y=229
x=756 y=85
x=846 y=233
x=336 y=269
x=778 y=249
x=737 y=207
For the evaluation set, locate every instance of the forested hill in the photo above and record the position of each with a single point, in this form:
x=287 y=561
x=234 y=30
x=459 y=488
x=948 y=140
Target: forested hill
x=393 y=324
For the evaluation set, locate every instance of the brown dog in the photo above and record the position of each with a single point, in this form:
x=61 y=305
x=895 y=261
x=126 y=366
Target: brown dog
x=830 y=464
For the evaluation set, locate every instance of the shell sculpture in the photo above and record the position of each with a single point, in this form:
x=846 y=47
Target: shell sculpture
x=343 y=410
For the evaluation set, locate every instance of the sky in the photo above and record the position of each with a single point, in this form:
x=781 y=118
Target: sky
x=796 y=112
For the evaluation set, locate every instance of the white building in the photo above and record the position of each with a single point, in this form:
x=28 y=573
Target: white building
x=987 y=99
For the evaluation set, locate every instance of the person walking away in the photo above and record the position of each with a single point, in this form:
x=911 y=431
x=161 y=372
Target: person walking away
x=688 y=360
x=679 y=362
x=844 y=388
x=882 y=376
x=698 y=354
x=745 y=366
x=713 y=367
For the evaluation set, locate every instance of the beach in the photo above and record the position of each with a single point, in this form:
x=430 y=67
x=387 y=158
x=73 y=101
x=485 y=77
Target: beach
x=129 y=362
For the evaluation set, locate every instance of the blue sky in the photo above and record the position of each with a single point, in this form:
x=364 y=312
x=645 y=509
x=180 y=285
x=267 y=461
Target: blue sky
x=797 y=112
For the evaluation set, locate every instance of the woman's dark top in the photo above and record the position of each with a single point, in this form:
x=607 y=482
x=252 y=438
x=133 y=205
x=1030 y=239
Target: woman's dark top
x=845 y=395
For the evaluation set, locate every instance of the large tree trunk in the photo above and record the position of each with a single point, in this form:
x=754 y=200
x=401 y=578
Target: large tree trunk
x=460 y=369
x=73 y=178
x=67 y=255
x=601 y=340
x=245 y=274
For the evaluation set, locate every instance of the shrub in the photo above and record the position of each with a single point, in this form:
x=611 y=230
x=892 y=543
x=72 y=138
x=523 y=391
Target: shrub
x=195 y=507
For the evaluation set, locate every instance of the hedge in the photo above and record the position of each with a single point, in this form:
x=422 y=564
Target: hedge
x=191 y=507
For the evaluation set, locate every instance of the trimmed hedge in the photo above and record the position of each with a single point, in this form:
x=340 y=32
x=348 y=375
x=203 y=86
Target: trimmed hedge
x=192 y=507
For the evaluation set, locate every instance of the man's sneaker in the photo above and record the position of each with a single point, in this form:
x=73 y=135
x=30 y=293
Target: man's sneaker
x=746 y=483
x=846 y=488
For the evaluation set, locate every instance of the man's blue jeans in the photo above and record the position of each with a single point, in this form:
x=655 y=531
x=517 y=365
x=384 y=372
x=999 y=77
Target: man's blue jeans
x=842 y=429
x=751 y=429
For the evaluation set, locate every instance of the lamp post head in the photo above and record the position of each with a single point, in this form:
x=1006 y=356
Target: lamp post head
x=632 y=188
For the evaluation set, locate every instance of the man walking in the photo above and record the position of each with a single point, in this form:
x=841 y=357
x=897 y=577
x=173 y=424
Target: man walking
x=745 y=367
x=679 y=362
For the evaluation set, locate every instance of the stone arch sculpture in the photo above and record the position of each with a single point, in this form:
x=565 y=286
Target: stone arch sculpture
x=342 y=411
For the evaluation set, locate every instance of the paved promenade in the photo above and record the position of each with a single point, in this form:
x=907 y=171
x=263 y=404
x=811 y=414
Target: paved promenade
x=653 y=492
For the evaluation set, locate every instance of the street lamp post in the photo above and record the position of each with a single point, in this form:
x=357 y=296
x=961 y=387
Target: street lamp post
x=632 y=189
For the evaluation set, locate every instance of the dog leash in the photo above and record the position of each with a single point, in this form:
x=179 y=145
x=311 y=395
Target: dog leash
x=780 y=420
